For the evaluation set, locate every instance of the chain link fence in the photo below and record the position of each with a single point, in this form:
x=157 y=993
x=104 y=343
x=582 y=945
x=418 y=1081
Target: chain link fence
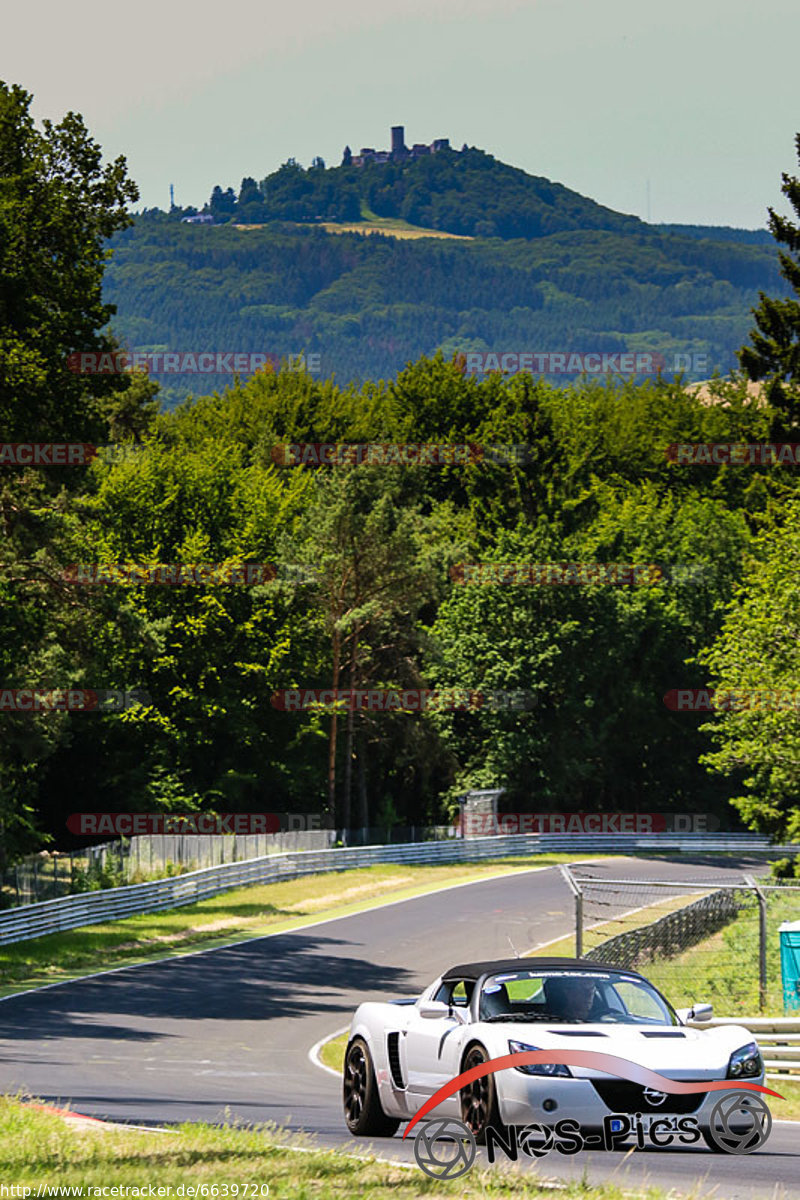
x=697 y=942
x=51 y=874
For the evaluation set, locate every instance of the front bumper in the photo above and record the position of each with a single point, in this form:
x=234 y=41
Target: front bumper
x=527 y=1099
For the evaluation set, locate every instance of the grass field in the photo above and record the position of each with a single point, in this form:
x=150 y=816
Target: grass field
x=236 y=915
x=389 y=227
x=39 y=1148
x=371 y=223
x=723 y=969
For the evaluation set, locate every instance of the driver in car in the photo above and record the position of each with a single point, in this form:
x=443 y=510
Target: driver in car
x=573 y=998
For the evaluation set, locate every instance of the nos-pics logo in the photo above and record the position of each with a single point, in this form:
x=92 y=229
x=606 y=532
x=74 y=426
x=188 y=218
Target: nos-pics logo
x=445 y=1148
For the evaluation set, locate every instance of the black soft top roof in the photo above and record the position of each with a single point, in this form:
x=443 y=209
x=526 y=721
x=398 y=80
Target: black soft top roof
x=477 y=969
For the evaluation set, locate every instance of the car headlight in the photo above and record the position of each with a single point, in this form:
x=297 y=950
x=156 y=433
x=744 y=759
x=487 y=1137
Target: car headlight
x=549 y=1069
x=745 y=1062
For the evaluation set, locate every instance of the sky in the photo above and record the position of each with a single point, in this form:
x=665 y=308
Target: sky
x=677 y=112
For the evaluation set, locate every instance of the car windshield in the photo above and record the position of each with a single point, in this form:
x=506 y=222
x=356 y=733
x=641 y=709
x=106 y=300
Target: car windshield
x=574 y=997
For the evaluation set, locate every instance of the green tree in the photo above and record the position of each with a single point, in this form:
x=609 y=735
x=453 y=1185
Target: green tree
x=774 y=353
x=757 y=653
x=366 y=541
x=58 y=205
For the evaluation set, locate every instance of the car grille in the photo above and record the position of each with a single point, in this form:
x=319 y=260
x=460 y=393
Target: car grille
x=393 y=1047
x=623 y=1097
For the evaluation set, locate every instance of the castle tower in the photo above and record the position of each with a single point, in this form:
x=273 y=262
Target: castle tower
x=398 y=141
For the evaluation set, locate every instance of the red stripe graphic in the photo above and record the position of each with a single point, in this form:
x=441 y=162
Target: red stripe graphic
x=611 y=1064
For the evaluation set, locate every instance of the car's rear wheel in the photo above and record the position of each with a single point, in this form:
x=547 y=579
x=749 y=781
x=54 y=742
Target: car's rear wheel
x=362 y=1106
x=479 y=1107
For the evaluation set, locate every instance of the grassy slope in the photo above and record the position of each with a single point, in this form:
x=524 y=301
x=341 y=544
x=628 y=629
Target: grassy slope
x=723 y=969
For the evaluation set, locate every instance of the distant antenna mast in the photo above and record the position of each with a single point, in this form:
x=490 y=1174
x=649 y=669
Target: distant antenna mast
x=171 y=197
x=648 y=201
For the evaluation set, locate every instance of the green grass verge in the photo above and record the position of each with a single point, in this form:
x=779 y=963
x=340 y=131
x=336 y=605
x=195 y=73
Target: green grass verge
x=332 y=1053
x=236 y=916
x=39 y=1148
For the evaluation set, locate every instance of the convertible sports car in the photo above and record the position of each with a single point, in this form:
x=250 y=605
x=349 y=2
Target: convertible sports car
x=400 y=1053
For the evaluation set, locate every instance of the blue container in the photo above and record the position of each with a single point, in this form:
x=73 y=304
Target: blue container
x=790 y=964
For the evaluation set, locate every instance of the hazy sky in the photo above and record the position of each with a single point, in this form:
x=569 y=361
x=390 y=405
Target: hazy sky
x=700 y=97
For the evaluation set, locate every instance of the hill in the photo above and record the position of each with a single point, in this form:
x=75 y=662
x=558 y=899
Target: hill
x=468 y=192
x=367 y=305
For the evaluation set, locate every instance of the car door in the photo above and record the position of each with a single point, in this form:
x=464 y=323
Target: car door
x=433 y=1046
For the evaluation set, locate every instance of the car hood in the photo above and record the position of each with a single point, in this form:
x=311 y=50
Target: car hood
x=677 y=1052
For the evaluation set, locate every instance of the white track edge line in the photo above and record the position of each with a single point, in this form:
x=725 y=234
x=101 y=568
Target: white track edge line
x=314 y=1052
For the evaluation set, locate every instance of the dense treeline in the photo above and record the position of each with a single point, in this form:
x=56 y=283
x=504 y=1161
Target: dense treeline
x=370 y=591
x=370 y=304
x=598 y=659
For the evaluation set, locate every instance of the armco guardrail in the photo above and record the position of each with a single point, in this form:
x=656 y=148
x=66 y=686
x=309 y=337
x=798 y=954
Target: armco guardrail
x=91 y=908
x=777 y=1037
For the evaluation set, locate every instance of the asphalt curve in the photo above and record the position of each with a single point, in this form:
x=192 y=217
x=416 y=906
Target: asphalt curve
x=226 y=1033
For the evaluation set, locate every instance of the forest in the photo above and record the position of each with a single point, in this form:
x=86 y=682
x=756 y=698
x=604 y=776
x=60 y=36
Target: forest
x=368 y=305
x=369 y=588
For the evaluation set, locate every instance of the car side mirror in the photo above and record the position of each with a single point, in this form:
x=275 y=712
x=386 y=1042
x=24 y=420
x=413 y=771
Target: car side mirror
x=434 y=1010
x=698 y=1012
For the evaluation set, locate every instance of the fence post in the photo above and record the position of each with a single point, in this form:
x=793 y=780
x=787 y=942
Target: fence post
x=578 y=894
x=762 y=942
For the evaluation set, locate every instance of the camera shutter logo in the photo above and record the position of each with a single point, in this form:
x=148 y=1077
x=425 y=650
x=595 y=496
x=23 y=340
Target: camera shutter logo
x=445 y=1148
x=740 y=1123
x=536 y=1140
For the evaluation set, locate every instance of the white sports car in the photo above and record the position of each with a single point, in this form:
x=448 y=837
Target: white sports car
x=400 y=1053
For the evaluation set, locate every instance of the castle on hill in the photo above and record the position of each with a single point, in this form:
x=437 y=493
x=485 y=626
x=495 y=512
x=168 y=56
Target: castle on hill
x=398 y=153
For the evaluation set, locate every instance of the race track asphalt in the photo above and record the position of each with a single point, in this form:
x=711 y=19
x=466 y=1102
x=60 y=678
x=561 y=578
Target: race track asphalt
x=226 y=1033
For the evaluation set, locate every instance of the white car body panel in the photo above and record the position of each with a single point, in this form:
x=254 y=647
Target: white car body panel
x=430 y=1052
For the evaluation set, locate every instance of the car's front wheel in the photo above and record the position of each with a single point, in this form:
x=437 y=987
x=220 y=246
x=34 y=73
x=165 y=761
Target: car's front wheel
x=479 y=1107
x=362 y=1105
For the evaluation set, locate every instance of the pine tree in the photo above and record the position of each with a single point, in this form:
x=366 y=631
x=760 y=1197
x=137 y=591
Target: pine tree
x=774 y=354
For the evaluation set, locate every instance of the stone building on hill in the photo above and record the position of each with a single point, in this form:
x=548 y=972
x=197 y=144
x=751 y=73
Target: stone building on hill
x=398 y=153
